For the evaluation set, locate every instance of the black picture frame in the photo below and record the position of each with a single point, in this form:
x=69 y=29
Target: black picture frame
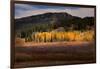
x=43 y=3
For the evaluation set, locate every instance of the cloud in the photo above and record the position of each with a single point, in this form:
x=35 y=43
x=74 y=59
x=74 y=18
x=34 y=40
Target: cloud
x=23 y=10
x=82 y=12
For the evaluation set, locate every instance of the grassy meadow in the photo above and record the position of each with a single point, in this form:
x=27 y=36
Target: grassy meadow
x=55 y=48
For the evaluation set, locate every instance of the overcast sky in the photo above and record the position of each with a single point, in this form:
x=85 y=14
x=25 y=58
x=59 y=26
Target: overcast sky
x=24 y=10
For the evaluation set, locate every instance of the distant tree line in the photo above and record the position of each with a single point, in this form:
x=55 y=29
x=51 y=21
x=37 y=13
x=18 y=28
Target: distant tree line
x=77 y=23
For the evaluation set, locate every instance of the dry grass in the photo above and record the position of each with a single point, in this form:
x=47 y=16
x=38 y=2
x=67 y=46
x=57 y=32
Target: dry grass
x=56 y=54
x=19 y=41
x=49 y=48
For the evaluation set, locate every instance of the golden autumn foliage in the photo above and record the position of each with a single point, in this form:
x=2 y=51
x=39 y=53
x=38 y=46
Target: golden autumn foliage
x=63 y=36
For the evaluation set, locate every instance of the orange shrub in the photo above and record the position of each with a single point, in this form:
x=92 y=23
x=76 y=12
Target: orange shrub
x=64 y=36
